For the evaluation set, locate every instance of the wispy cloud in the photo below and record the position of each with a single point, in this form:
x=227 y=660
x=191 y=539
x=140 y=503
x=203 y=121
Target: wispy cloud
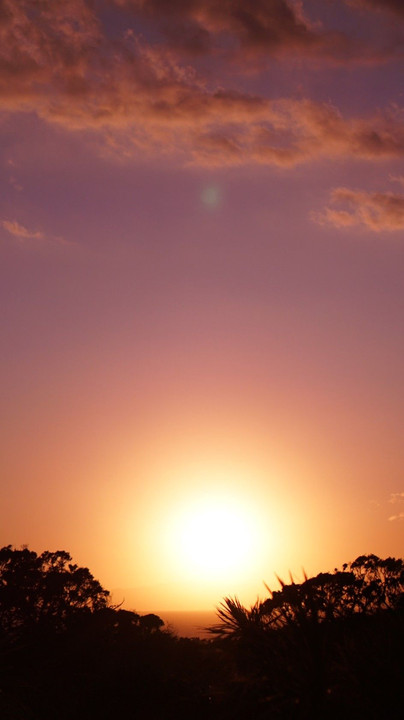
x=400 y=516
x=397 y=497
x=19 y=231
x=22 y=233
x=377 y=211
x=15 y=184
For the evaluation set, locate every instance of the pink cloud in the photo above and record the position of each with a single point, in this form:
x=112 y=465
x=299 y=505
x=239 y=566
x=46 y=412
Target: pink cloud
x=20 y=231
x=298 y=131
x=56 y=54
x=45 y=42
x=138 y=97
x=376 y=211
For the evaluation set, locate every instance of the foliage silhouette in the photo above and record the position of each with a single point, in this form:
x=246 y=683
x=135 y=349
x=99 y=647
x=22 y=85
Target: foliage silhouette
x=64 y=652
x=329 y=647
x=366 y=585
x=311 y=648
x=44 y=589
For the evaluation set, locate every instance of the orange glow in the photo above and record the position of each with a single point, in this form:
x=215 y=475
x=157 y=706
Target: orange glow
x=201 y=290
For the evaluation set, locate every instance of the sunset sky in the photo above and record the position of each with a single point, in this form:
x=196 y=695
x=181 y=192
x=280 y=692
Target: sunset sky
x=202 y=289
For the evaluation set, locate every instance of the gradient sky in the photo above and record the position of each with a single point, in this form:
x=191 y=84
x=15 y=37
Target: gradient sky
x=202 y=296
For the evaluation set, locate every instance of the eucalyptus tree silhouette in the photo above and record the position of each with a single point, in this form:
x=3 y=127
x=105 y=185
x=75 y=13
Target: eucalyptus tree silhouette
x=44 y=590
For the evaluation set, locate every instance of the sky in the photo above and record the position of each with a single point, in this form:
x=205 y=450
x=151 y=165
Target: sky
x=201 y=289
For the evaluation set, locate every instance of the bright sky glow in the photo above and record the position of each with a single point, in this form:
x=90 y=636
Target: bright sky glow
x=215 y=538
x=202 y=289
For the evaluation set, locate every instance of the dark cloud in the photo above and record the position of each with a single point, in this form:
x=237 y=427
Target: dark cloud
x=260 y=26
x=298 y=131
x=249 y=31
x=395 y=6
x=139 y=97
x=43 y=42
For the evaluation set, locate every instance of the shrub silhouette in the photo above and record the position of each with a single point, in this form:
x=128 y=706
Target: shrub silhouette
x=329 y=647
x=64 y=652
x=366 y=585
x=311 y=649
x=44 y=589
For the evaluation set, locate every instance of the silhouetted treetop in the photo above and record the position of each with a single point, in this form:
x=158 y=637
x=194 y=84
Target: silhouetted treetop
x=381 y=581
x=366 y=585
x=328 y=647
x=150 y=622
x=44 y=589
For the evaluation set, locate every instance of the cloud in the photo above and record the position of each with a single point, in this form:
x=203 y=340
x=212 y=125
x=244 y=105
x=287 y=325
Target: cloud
x=15 y=184
x=397 y=178
x=264 y=24
x=68 y=72
x=56 y=55
x=290 y=132
x=57 y=62
x=395 y=6
x=400 y=516
x=396 y=497
x=19 y=231
x=45 y=46
x=377 y=211
x=250 y=30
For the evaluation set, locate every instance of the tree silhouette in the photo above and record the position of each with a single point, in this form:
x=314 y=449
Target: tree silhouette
x=46 y=589
x=150 y=622
x=366 y=585
x=326 y=647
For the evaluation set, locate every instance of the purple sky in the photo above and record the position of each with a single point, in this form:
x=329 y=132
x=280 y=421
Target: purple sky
x=201 y=240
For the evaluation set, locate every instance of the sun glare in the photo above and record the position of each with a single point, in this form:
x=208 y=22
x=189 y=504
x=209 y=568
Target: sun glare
x=214 y=538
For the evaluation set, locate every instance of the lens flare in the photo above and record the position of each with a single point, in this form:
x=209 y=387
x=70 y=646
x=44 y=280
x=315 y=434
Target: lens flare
x=211 y=196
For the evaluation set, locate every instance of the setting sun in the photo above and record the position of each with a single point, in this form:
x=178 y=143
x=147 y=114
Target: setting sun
x=201 y=378
x=201 y=290
x=213 y=538
x=213 y=534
